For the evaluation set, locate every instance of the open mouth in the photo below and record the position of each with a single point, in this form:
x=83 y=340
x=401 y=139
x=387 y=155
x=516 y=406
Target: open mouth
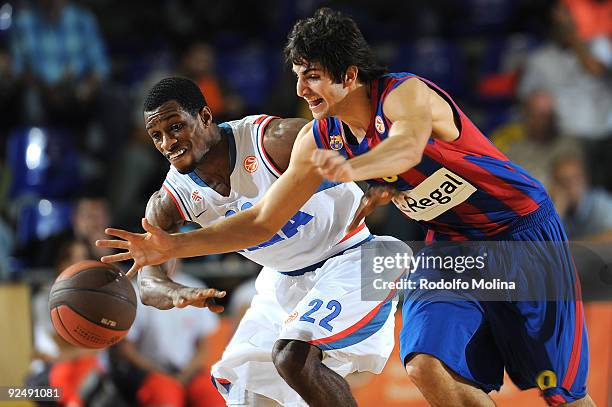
x=176 y=154
x=314 y=103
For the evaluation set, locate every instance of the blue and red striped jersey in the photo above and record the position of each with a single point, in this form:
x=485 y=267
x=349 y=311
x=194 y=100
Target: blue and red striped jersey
x=461 y=190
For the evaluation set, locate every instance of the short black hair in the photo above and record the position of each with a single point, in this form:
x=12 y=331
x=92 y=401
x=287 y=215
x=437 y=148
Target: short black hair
x=334 y=41
x=183 y=90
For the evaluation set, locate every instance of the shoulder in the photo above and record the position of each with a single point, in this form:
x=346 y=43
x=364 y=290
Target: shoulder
x=162 y=211
x=279 y=137
x=408 y=95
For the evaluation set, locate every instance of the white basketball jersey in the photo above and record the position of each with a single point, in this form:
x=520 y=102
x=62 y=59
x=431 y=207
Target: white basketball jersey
x=316 y=232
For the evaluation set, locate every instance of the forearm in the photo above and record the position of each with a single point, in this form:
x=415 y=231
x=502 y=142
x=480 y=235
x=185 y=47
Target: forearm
x=240 y=231
x=156 y=287
x=402 y=150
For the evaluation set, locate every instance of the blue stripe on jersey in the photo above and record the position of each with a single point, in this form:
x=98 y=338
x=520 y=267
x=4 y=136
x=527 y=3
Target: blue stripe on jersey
x=334 y=127
x=356 y=149
x=363 y=333
x=231 y=140
x=180 y=198
x=491 y=207
x=327 y=185
x=196 y=178
x=514 y=176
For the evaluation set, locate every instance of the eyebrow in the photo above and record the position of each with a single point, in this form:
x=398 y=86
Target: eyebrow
x=162 y=118
x=307 y=70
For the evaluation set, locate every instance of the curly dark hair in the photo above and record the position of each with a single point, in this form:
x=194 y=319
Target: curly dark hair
x=183 y=90
x=335 y=42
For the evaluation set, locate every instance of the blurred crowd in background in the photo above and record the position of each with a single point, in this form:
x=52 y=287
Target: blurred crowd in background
x=534 y=75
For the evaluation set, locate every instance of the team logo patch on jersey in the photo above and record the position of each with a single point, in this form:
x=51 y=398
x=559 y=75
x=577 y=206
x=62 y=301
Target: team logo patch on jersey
x=335 y=142
x=250 y=163
x=379 y=124
x=196 y=196
x=438 y=193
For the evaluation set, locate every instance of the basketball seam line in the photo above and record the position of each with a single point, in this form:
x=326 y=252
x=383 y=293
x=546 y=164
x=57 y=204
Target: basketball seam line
x=68 y=331
x=91 y=320
x=112 y=294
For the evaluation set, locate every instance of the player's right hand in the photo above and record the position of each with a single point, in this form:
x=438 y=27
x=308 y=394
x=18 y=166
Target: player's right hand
x=197 y=297
x=373 y=198
x=146 y=249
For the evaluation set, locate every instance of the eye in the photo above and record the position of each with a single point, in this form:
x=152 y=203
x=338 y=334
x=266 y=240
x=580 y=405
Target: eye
x=313 y=77
x=176 y=126
x=156 y=136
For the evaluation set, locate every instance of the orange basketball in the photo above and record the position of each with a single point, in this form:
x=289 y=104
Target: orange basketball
x=92 y=304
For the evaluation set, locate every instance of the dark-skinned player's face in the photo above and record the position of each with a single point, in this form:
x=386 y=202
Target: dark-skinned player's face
x=182 y=138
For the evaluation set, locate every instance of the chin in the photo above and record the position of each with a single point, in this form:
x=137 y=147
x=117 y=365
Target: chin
x=321 y=115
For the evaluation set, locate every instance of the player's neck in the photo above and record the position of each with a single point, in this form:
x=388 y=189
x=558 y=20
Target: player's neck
x=215 y=167
x=355 y=110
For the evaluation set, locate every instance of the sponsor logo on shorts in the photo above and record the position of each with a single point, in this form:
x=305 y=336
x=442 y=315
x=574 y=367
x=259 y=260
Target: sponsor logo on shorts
x=546 y=380
x=250 y=163
x=440 y=192
x=292 y=317
x=379 y=124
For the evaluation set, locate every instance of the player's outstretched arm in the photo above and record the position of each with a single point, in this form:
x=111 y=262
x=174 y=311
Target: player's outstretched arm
x=245 y=229
x=156 y=288
x=409 y=109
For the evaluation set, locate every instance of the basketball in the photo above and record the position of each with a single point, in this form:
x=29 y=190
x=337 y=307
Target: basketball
x=92 y=304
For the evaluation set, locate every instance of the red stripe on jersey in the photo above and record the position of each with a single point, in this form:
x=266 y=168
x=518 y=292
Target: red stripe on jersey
x=260 y=119
x=178 y=206
x=353 y=233
x=496 y=187
x=555 y=400
x=323 y=133
x=266 y=121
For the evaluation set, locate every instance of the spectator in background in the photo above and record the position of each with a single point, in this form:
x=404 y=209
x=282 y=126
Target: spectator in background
x=60 y=61
x=161 y=359
x=586 y=212
x=198 y=64
x=534 y=140
x=59 y=55
x=90 y=216
x=581 y=86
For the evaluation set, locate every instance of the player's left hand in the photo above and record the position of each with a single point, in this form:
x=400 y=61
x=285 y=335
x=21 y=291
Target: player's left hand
x=373 y=198
x=146 y=249
x=333 y=166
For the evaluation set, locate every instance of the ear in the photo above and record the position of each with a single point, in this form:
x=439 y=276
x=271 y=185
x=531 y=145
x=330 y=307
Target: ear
x=350 y=76
x=205 y=116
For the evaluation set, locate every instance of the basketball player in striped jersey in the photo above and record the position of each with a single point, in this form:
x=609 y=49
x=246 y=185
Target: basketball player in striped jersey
x=307 y=323
x=405 y=133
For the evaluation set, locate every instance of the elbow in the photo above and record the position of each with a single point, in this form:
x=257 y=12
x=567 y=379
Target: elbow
x=265 y=232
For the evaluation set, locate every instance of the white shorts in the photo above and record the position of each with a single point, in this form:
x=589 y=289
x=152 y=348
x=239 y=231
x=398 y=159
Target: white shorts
x=323 y=307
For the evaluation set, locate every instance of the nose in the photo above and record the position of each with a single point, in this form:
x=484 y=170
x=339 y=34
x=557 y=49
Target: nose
x=300 y=87
x=167 y=142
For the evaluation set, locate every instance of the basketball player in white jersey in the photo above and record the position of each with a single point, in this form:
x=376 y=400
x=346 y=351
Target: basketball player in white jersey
x=307 y=324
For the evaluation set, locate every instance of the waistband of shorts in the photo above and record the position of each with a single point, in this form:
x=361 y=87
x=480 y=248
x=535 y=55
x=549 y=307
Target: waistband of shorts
x=535 y=218
x=315 y=266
